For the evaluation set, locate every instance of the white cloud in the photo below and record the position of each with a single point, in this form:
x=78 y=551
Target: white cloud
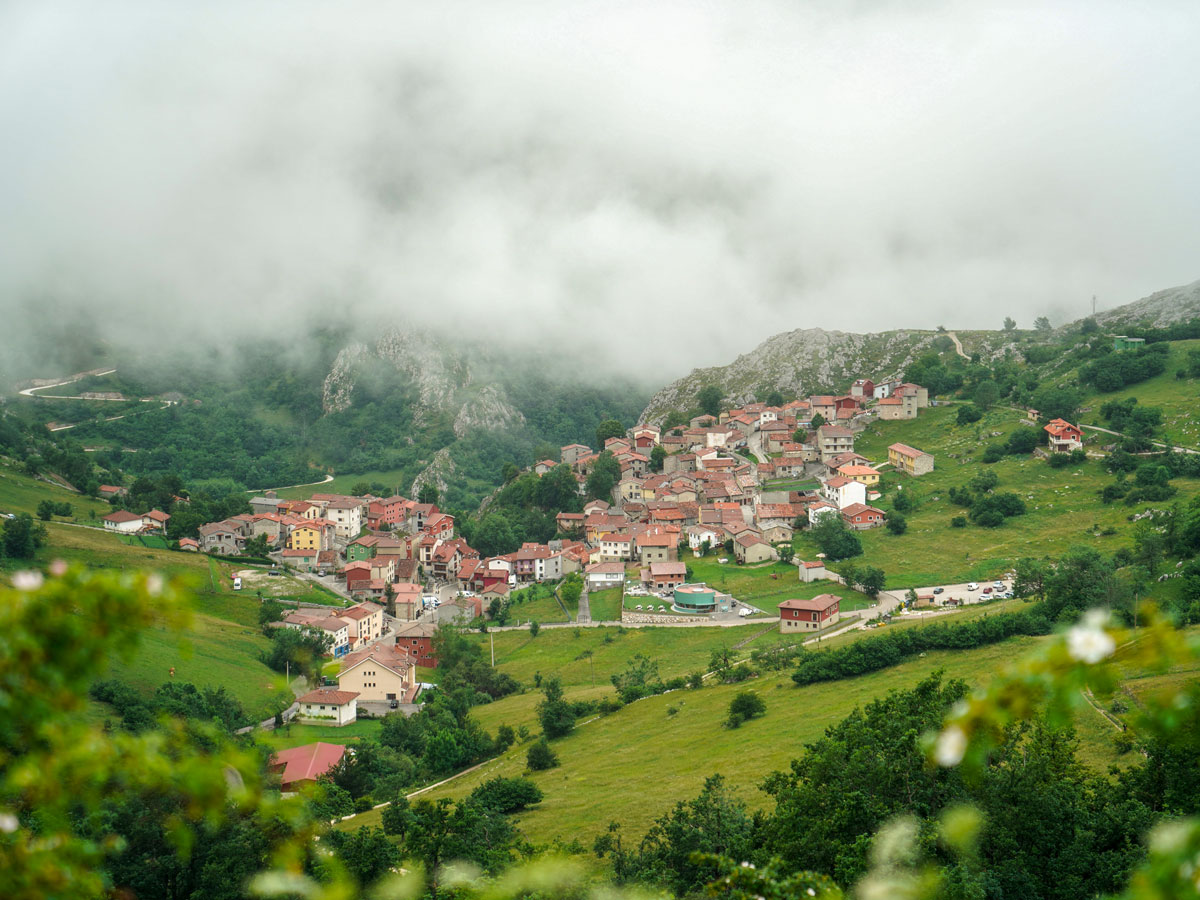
x=597 y=171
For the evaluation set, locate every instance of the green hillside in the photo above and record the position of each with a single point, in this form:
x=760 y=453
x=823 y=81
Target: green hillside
x=1063 y=506
x=635 y=764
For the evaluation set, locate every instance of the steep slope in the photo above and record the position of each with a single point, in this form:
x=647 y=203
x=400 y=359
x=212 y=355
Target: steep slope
x=1162 y=308
x=797 y=362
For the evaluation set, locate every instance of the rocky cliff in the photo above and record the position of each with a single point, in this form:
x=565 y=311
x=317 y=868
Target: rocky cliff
x=800 y=362
x=1162 y=308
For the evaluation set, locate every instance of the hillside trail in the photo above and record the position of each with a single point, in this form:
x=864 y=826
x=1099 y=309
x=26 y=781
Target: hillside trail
x=957 y=344
x=287 y=487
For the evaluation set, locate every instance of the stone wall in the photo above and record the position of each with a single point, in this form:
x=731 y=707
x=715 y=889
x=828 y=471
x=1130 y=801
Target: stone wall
x=644 y=618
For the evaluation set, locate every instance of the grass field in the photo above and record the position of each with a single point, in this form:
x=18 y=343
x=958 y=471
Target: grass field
x=767 y=585
x=524 y=607
x=341 y=484
x=611 y=764
x=293 y=735
x=605 y=605
x=222 y=646
x=1063 y=506
x=21 y=493
x=1177 y=398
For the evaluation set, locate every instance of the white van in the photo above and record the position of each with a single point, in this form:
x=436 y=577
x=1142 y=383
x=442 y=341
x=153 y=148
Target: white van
x=237 y=583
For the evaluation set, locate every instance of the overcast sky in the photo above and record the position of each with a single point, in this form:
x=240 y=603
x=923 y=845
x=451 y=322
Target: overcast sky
x=679 y=180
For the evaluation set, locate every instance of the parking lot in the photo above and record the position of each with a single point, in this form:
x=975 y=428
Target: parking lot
x=963 y=593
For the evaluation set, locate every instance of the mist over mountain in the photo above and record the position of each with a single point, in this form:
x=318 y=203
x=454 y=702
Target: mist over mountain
x=586 y=175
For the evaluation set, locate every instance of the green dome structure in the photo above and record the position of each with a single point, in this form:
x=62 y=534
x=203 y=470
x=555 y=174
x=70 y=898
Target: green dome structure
x=694 y=598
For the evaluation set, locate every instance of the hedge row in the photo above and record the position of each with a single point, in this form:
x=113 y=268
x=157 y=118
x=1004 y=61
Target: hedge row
x=892 y=647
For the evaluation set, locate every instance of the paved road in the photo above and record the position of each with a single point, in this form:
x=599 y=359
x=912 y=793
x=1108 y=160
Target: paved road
x=584 y=616
x=32 y=391
x=958 y=591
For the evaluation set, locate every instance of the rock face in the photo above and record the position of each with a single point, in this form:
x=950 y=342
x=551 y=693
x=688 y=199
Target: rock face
x=1162 y=308
x=809 y=360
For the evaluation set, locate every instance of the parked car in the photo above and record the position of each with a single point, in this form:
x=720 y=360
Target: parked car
x=987 y=590
x=394 y=704
x=998 y=585
x=237 y=584
x=939 y=590
x=972 y=586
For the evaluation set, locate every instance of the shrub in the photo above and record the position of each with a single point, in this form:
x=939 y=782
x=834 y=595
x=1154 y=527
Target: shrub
x=540 y=757
x=897 y=524
x=507 y=795
x=968 y=414
x=958 y=522
x=744 y=706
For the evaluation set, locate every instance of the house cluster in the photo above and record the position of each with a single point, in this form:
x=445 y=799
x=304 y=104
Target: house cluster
x=348 y=628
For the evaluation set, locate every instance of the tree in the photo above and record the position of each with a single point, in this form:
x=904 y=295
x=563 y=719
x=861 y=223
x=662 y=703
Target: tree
x=494 y=535
x=509 y=472
x=835 y=539
x=45 y=510
x=570 y=590
x=534 y=628
x=1009 y=323
x=871 y=581
x=257 y=546
x=968 y=413
x=986 y=393
x=609 y=428
x=428 y=493
x=786 y=552
x=658 y=456
x=774 y=399
x=799 y=436
x=540 y=757
x=21 y=537
x=389 y=602
x=606 y=471
x=897 y=524
x=744 y=706
x=1081 y=580
x=1042 y=324
x=709 y=400
x=506 y=795
x=366 y=853
x=817 y=421
x=555 y=714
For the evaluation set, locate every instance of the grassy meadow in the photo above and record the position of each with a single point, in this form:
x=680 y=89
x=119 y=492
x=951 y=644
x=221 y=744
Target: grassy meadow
x=1063 y=506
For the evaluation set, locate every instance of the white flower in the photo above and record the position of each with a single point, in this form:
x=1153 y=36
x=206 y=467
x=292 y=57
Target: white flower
x=27 y=580
x=58 y=568
x=950 y=747
x=1088 y=642
x=154 y=584
x=8 y=822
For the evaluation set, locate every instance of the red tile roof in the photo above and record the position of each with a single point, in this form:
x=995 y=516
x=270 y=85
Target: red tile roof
x=307 y=763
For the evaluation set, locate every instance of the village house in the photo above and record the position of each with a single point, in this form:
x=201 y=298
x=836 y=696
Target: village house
x=910 y=460
x=312 y=535
x=326 y=706
x=604 y=575
x=860 y=517
x=818 y=509
x=834 y=439
x=812 y=571
x=1064 y=437
x=864 y=474
x=225 y=538
x=305 y=764
x=108 y=491
x=407 y=599
x=616 y=547
x=304 y=560
x=569 y=523
x=919 y=394
x=337 y=630
x=657 y=546
x=123 y=522
x=189 y=544
x=416 y=639
x=572 y=453
x=750 y=548
x=664 y=575
x=365 y=621
x=699 y=535
x=862 y=388
x=896 y=408
x=379 y=674
x=809 y=615
x=843 y=492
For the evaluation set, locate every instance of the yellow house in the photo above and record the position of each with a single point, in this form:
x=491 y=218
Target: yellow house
x=862 y=474
x=910 y=460
x=379 y=674
x=305 y=537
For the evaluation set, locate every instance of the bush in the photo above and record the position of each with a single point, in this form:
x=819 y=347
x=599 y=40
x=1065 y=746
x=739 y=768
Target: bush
x=507 y=795
x=364 y=804
x=897 y=524
x=958 y=522
x=540 y=757
x=744 y=706
x=968 y=414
